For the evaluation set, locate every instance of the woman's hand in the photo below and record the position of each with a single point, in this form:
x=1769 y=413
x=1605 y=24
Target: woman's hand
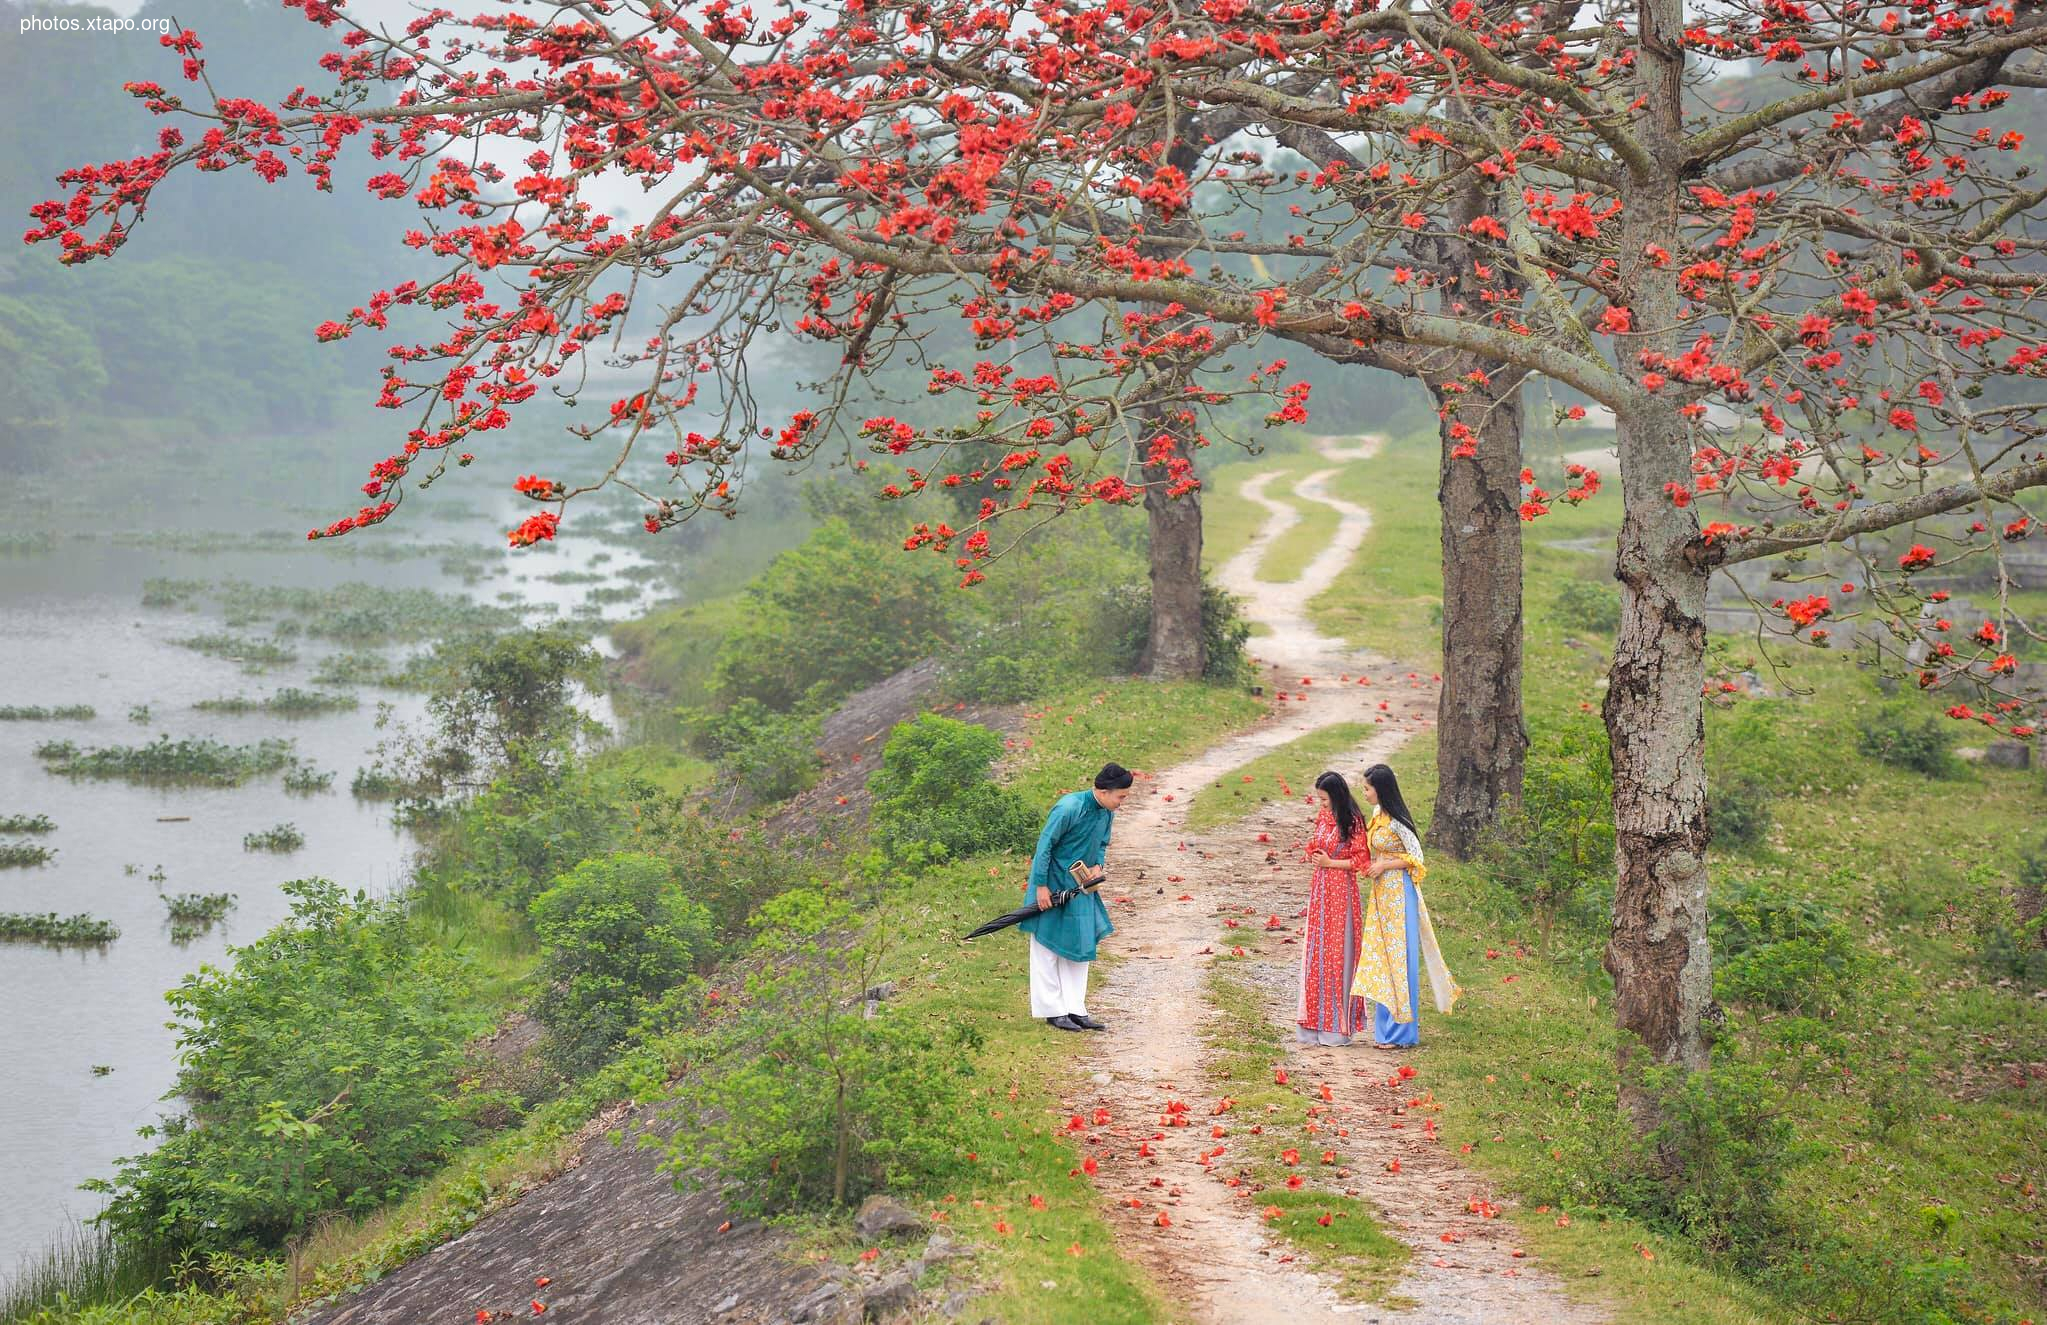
x=1044 y=898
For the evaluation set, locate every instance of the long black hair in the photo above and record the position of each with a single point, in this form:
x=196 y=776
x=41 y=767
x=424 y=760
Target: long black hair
x=1348 y=816
x=1390 y=800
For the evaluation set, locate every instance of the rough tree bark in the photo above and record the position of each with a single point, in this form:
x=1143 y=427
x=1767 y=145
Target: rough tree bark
x=1481 y=740
x=1655 y=717
x=1173 y=651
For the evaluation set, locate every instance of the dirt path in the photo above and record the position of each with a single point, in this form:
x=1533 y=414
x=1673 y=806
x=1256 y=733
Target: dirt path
x=1171 y=893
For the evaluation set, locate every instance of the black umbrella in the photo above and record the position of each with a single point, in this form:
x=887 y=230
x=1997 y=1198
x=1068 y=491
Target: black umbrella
x=1029 y=909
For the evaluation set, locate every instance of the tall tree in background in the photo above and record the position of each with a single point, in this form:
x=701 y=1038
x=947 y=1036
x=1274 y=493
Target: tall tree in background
x=1841 y=268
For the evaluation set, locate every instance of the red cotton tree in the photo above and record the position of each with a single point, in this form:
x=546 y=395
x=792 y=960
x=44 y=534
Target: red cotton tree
x=1785 y=246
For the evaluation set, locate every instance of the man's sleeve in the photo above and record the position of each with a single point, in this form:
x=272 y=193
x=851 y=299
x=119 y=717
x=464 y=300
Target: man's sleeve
x=1041 y=859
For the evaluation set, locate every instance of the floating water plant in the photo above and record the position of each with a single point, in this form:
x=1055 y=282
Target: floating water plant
x=283 y=837
x=290 y=702
x=51 y=928
x=38 y=713
x=27 y=823
x=190 y=760
x=21 y=854
x=244 y=649
x=305 y=779
x=199 y=908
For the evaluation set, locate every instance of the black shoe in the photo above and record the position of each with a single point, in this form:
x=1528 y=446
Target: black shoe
x=1085 y=1022
x=1062 y=1023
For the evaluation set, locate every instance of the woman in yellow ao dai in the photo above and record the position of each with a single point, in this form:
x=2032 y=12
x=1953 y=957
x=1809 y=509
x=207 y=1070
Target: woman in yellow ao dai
x=1398 y=937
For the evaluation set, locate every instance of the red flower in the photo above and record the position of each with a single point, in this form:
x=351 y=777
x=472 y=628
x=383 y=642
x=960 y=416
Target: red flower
x=1919 y=557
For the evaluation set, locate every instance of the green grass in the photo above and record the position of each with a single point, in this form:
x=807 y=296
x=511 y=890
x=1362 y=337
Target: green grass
x=1228 y=520
x=1242 y=790
x=1143 y=725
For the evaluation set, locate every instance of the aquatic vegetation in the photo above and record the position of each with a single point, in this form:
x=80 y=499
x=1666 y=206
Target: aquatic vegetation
x=243 y=649
x=171 y=593
x=27 y=823
x=194 y=759
x=18 y=855
x=198 y=908
x=359 y=613
x=305 y=779
x=364 y=667
x=38 y=713
x=290 y=702
x=380 y=784
x=283 y=837
x=139 y=713
x=51 y=928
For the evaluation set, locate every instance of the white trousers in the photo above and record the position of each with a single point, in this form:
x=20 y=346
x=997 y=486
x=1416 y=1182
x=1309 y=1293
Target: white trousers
x=1058 y=986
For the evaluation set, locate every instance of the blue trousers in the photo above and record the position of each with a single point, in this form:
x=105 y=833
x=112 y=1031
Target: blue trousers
x=1384 y=1029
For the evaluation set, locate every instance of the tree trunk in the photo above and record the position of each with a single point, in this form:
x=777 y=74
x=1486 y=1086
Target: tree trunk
x=1481 y=740
x=1173 y=651
x=1655 y=721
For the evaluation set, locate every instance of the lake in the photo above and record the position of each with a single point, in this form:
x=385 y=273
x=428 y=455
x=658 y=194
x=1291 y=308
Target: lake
x=76 y=632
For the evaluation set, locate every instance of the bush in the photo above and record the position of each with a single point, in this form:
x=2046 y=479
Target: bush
x=1587 y=605
x=803 y=1096
x=615 y=933
x=770 y=755
x=1725 y=1148
x=320 y=1073
x=1783 y=951
x=1559 y=844
x=1737 y=812
x=1123 y=628
x=831 y=616
x=933 y=788
x=1909 y=736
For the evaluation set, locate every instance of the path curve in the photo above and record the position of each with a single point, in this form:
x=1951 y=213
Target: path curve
x=1171 y=891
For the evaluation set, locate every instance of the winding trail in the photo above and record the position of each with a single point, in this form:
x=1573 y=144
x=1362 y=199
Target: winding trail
x=1171 y=893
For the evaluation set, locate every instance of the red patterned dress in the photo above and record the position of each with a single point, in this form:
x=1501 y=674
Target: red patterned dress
x=1329 y=1013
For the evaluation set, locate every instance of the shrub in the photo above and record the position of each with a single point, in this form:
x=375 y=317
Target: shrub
x=1559 y=844
x=1783 y=951
x=1725 y=1148
x=770 y=755
x=828 y=617
x=801 y=1096
x=319 y=1071
x=933 y=787
x=1587 y=605
x=615 y=933
x=1737 y=812
x=1123 y=627
x=1909 y=736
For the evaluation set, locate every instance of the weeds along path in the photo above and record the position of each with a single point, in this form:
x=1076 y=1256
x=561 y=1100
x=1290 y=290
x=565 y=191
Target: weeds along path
x=1190 y=1216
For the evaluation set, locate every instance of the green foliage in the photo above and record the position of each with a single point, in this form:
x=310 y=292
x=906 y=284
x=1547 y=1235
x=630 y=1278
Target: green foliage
x=1587 y=605
x=1737 y=812
x=1722 y=1153
x=251 y=652
x=289 y=702
x=615 y=933
x=771 y=755
x=27 y=823
x=1558 y=846
x=18 y=855
x=2010 y=923
x=1910 y=736
x=1123 y=627
x=829 y=617
x=319 y=1073
x=278 y=837
x=933 y=788
x=801 y=1096
x=56 y=930
x=1780 y=950
x=40 y=713
x=194 y=759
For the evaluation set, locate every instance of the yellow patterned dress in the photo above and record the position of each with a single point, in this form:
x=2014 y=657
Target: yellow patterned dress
x=1399 y=940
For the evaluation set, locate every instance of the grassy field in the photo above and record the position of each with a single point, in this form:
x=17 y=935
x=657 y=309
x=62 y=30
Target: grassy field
x=1291 y=769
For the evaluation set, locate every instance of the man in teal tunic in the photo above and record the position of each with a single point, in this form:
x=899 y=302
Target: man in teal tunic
x=1063 y=938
